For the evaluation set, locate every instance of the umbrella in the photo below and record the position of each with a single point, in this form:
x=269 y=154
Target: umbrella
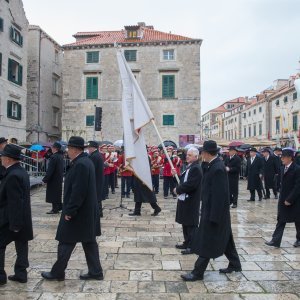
x=45 y=144
x=105 y=142
x=236 y=144
x=168 y=143
x=119 y=143
x=188 y=146
x=36 y=147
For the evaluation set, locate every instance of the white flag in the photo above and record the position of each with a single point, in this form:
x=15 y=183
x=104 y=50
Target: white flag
x=136 y=114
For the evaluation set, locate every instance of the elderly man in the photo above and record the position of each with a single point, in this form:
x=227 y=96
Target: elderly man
x=54 y=179
x=289 y=199
x=15 y=213
x=79 y=220
x=214 y=237
x=188 y=204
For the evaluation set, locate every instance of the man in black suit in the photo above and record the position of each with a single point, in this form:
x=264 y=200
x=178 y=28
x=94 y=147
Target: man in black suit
x=277 y=155
x=79 y=221
x=214 y=236
x=271 y=171
x=254 y=174
x=15 y=213
x=54 y=179
x=233 y=168
x=188 y=204
x=3 y=143
x=97 y=160
x=289 y=199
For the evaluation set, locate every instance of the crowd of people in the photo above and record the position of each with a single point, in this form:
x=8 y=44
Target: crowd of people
x=208 y=187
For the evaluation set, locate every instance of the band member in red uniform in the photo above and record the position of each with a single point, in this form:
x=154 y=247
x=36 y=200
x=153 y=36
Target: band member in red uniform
x=111 y=159
x=168 y=183
x=177 y=165
x=156 y=163
x=126 y=176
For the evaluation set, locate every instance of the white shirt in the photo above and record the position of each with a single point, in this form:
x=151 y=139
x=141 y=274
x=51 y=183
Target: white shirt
x=183 y=196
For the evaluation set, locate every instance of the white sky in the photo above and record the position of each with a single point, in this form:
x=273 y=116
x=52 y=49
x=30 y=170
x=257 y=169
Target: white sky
x=247 y=44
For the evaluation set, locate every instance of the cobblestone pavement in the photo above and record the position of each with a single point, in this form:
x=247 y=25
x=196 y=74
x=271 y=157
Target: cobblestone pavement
x=140 y=261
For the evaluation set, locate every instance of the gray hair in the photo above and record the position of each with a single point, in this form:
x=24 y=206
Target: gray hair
x=194 y=150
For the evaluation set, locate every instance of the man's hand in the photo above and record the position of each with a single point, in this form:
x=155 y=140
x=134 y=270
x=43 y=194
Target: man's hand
x=227 y=169
x=174 y=172
x=67 y=218
x=287 y=203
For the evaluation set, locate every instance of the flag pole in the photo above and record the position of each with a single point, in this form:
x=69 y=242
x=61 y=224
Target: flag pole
x=165 y=150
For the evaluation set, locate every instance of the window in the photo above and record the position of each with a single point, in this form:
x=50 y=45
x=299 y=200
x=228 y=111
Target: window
x=249 y=114
x=130 y=55
x=249 y=130
x=277 y=102
x=92 y=57
x=1 y=24
x=295 y=122
x=55 y=85
x=244 y=115
x=168 y=120
x=0 y=64
x=168 y=55
x=277 y=125
x=92 y=88
x=15 y=72
x=260 y=109
x=89 y=121
x=168 y=86
x=254 y=111
x=254 y=130
x=131 y=34
x=56 y=56
x=285 y=99
x=260 y=129
x=245 y=132
x=295 y=96
x=55 y=116
x=14 y=110
x=15 y=36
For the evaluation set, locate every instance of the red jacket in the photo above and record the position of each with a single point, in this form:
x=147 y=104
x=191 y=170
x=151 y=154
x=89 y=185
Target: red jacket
x=123 y=172
x=156 y=164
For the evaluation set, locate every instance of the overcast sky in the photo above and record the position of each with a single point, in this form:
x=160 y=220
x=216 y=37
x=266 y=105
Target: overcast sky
x=247 y=44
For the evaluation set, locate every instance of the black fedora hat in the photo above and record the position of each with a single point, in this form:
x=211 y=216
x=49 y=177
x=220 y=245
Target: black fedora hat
x=232 y=148
x=57 y=145
x=12 y=151
x=252 y=149
x=93 y=144
x=287 y=152
x=266 y=150
x=210 y=146
x=3 y=140
x=277 y=149
x=76 y=141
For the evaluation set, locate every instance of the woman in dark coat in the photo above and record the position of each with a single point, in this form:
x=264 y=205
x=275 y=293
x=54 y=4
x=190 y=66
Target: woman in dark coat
x=214 y=237
x=54 y=179
x=289 y=199
x=15 y=213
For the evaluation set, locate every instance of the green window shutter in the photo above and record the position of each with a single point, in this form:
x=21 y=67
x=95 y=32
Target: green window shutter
x=92 y=88
x=92 y=57
x=168 y=120
x=21 y=40
x=9 y=74
x=1 y=24
x=20 y=75
x=130 y=55
x=89 y=121
x=11 y=33
x=19 y=112
x=0 y=64
x=168 y=86
x=9 y=108
x=89 y=57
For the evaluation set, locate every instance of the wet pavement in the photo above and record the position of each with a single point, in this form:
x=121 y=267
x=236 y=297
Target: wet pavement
x=140 y=261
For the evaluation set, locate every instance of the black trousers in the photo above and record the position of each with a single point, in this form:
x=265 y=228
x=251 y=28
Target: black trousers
x=230 y=253
x=168 y=185
x=278 y=233
x=268 y=192
x=111 y=181
x=252 y=192
x=126 y=182
x=21 y=263
x=105 y=187
x=188 y=233
x=138 y=206
x=64 y=252
x=155 y=182
x=56 y=206
x=116 y=178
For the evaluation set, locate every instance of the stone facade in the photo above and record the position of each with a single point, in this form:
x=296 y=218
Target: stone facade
x=148 y=69
x=13 y=66
x=44 y=87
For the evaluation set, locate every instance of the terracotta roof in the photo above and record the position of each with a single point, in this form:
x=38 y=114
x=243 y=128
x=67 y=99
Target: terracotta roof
x=110 y=37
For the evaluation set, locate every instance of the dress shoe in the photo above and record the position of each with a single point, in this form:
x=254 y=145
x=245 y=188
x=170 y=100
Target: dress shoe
x=91 y=277
x=15 y=278
x=187 y=251
x=234 y=206
x=156 y=212
x=134 y=214
x=297 y=243
x=49 y=276
x=251 y=200
x=165 y=197
x=181 y=246
x=267 y=197
x=261 y=199
x=276 y=197
x=101 y=214
x=273 y=244
x=191 y=277
x=52 y=212
x=229 y=270
x=3 y=281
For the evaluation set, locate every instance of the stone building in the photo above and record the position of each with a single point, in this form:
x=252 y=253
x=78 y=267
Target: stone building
x=44 y=87
x=166 y=66
x=13 y=69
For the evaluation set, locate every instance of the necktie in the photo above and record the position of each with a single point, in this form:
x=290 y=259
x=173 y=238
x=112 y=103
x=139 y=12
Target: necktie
x=285 y=169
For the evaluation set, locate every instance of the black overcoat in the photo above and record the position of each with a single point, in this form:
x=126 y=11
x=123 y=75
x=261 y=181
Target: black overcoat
x=271 y=168
x=54 y=178
x=187 y=212
x=80 y=202
x=97 y=160
x=212 y=236
x=252 y=173
x=15 y=209
x=290 y=192
x=142 y=193
x=234 y=165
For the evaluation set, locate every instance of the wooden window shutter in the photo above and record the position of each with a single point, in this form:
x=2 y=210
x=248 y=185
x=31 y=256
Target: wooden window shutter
x=9 y=108
x=20 y=75
x=9 y=74
x=19 y=112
